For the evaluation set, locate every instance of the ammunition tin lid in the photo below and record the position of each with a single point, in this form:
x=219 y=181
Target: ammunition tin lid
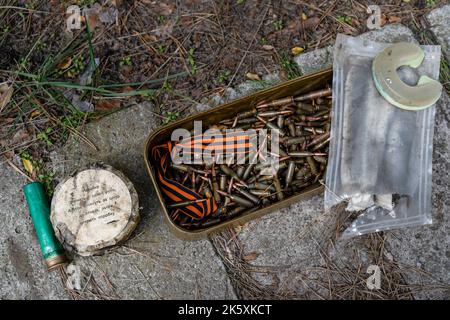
x=94 y=209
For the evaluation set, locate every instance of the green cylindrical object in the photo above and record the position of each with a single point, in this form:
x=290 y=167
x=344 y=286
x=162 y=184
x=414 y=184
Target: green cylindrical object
x=38 y=206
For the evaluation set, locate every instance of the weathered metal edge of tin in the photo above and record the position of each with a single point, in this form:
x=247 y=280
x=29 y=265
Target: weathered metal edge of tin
x=246 y=103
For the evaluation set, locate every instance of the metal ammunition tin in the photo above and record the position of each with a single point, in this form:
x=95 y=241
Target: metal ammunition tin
x=293 y=87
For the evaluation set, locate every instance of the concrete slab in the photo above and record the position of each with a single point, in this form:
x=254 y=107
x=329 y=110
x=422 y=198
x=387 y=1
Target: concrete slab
x=440 y=26
x=153 y=264
x=23 y=274
x=428 y=247
x=390 y=33
x=315 y=60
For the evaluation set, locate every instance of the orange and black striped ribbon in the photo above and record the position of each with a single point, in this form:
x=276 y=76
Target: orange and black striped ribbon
x=238 y=142
x=175 y=191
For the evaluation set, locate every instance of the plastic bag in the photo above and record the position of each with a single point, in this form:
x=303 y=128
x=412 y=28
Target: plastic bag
x=380 y=155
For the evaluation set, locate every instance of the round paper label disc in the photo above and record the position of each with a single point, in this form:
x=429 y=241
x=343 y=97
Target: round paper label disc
x=94 y=209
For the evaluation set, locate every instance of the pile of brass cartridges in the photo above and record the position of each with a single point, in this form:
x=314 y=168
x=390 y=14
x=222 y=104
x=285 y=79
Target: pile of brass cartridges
x=303 y=125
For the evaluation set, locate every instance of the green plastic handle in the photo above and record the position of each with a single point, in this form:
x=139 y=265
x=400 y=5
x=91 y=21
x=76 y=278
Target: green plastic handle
x=40 y=215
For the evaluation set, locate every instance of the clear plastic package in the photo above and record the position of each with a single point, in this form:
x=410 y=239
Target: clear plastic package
x=380 y=155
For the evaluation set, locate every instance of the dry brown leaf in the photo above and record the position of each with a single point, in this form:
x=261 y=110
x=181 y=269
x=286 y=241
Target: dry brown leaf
x=93 y=21
x=297 y=50
x=149 y=38
x=252 y=256
x=311 y=22
x=64 y=63
x=6 y=93
x=35 y=113
x=107 y=104
x=297 y=25
x=384 y=19
x=356 y=23
x=252 y=76
x=394 y=19
x=294 y=26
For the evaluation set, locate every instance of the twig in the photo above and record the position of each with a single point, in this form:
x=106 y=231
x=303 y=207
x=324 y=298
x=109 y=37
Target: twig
x=17 y=169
